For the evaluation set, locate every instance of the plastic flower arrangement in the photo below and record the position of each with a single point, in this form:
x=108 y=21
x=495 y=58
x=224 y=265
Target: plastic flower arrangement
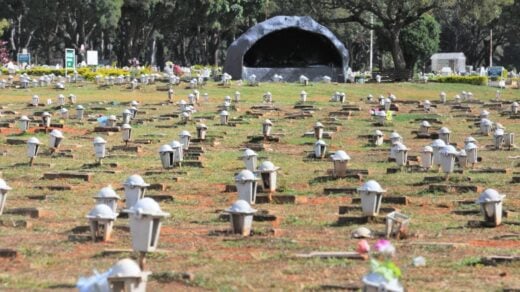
x=383 y=271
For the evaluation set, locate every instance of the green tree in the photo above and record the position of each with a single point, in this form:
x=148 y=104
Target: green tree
x=420 y=40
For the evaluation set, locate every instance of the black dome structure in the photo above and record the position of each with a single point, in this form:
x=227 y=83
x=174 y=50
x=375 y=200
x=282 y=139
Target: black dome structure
x=290 y=46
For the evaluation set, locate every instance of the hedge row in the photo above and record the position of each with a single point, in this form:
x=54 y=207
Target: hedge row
x=86 y=73
x=474 y=80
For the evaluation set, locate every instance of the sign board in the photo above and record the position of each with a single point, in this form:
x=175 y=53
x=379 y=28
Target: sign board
x=495 y=71
x=70 y=59
x=24 y=58
x=92 y=58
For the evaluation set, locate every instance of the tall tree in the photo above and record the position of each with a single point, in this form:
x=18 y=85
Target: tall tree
x=391 y=17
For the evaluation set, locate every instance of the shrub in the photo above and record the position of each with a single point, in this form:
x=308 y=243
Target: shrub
x=473 y=80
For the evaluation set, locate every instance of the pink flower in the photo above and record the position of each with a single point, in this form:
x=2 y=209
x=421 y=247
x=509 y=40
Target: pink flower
x=363 y=247
x=385 y=247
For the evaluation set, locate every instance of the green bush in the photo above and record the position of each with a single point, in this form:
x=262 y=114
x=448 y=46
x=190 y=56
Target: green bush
x=473 y=80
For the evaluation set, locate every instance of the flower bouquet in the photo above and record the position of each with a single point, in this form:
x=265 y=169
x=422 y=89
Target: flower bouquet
x=384 y=274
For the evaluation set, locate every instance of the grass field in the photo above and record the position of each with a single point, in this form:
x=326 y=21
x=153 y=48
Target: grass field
x=52 y=257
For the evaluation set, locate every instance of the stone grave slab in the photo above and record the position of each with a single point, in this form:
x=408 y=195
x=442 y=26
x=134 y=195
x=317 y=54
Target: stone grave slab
x=65 y=175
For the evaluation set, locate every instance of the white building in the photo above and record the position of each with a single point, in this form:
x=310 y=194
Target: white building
x=455 y=61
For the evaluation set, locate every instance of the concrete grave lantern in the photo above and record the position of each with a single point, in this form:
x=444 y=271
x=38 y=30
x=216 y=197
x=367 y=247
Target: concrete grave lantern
x=437 y=145
x=185 y=117
x=111 y=121
x=320 y=149
x=378 y=138
x=4 y=189
x=72 y=98
x=303 y=96
x=470 y=95
x=427 y=157
x=514 y=108
x=127 y=116
x=252 y=80
x=23 y=123
x=126 y=276
x=185 y=138
x=145 y=224
x=224 y=116
x=192 y=98
x=134 y=103
x=369 y=98
x=277 y=78
x=447 y=155
x=268 y=97
x=427 y=105
x=318 y=130
x=166 y=154
x=326 y=79
x=46 y=119
x=246 y=183
x=133 y=112
x=126 y=133
x=135 y=189
x=424 y=127
x=99 y=148
x=340 y=161
x=387 y=104
x=457 y=98
x=241 y=217
x=371 y=194
x=464 y=95
x=442 y=97
x=471 y=150
x=462 y=158
x=396 y=224
x=178 y=152
x=64 y=113
x=33 y=146
x=201 y=131
x=485 y=126
x=470 y=139
x=342 y=97
x=250 y=159
x=61 y=100
x=304 y=80
x=396 y=138
x=401 y=154
x=268 y=174
x=381 y=117
x=381 y=99
x=444 y=135
x=498 y=138
x=484 y=114
x=80 y=111
x=55 y=139
x=490 y=202
x=206 y=97
x=101 y=219
x=109 y=197
x=35 y=100
x=267 y=126
x=237 y=97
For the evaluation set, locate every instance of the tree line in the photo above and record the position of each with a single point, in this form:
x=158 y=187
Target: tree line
x=406 y=32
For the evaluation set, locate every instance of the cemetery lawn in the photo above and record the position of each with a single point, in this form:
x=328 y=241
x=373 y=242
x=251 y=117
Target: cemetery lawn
x=52 y=256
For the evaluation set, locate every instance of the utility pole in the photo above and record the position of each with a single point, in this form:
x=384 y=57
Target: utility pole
x=491 y=48
x=371 y=43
